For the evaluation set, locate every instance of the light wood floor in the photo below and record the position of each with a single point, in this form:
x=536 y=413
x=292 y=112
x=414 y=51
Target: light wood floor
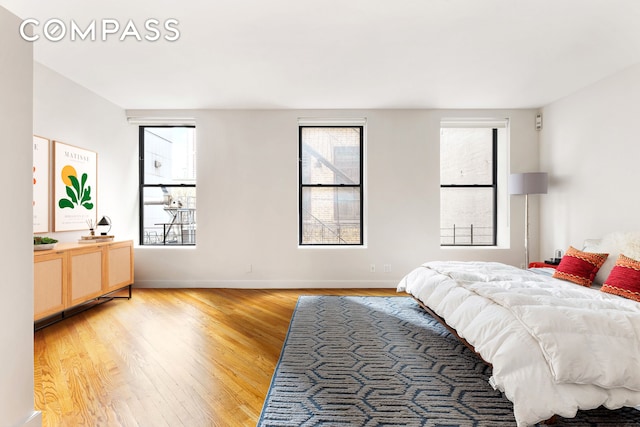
x=188 y=357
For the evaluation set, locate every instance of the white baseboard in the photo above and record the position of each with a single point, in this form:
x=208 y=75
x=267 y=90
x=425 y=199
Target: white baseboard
x=35 y=420
x=267 y=284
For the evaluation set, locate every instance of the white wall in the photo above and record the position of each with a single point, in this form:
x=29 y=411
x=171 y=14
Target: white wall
x=247 y=191
x=16 y=254
x=247 y=202
x=69 y=113
x=590 y=147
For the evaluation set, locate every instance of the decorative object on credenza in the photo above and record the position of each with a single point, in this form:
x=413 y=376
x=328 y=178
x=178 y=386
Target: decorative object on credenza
x=96 y=239
x=40 y=184
x=93 y=237
x=525 y=184
x=105 y=222
x=43 y=243
x=75 y=186
x=92 y=227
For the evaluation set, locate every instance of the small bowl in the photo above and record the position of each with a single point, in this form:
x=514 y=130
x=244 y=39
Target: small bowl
x=44 y=247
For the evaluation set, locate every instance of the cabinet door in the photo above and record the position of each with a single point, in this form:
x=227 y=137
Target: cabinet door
x=49 y=284
x=86 y=274
x=120 y=262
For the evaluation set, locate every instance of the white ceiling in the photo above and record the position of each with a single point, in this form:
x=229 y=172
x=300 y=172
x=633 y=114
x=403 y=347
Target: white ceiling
x=343 y=53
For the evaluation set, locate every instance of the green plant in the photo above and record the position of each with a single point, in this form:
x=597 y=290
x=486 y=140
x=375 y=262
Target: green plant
x=41 y=240
x=78 y=194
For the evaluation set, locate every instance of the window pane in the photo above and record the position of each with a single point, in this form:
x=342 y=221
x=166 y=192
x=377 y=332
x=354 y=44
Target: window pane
x=330 y=155
x=169 y=155
x=466 y=216
x=167 y=192
x=331 y=216
x=466 y=156
x=169 y=216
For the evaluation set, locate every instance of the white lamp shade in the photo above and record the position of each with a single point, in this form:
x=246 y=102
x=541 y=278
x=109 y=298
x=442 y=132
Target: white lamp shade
x=528 y=183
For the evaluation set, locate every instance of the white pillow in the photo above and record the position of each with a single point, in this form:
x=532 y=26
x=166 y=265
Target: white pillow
x=591 y=245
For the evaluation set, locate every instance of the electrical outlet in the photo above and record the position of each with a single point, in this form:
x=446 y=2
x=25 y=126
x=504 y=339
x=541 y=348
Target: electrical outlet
x=372 y=268
x=249 y=268
x=387 y=268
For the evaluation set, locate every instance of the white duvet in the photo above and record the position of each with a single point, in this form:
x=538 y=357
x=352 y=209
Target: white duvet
x=555 y=346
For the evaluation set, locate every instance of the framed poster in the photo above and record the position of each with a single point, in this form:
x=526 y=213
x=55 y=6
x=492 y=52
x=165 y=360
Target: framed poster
x=75 y=176
x=41 y=164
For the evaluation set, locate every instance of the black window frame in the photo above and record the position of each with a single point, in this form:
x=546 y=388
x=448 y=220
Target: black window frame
x=494 y=186
x=142 y=185
x=302 y=186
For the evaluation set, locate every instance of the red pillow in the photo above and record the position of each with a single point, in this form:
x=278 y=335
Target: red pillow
x=579 y=267
x=624 y=279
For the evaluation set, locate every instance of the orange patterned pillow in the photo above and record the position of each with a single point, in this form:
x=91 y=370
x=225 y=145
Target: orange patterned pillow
x=624 y=279
x=579 y=267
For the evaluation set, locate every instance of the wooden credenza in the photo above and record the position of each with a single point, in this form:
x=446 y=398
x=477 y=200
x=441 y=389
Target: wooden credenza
x=74 y=273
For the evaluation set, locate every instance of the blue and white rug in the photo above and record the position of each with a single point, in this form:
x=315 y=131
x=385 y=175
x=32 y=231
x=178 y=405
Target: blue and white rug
x=383 y=361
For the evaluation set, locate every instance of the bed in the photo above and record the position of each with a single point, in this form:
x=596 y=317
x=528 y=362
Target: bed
x=555 y=346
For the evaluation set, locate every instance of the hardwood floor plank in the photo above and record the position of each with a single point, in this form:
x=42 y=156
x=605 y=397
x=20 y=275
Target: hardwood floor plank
x=167 y=357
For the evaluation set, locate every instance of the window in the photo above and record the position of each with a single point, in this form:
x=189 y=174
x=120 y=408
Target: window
x=468 y=184
x=330 y=177
x=167 y=185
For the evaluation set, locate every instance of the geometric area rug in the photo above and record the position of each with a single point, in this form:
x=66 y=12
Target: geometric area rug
x=383 y=361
